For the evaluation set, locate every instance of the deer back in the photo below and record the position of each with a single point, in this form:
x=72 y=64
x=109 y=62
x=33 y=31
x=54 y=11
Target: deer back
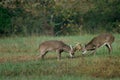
x=54 y=45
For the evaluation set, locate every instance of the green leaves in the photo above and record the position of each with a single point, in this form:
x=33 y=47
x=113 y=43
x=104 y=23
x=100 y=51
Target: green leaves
x=59 y=17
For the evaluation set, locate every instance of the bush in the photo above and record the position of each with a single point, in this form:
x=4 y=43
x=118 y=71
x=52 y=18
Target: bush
x=5 y=21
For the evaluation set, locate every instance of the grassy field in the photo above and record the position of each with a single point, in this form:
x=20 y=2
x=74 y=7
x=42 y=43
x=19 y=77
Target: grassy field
x=17 y=60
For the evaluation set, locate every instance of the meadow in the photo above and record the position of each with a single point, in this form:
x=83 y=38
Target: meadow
x=18 y=60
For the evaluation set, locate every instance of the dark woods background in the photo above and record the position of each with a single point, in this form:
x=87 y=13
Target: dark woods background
x=58 y=17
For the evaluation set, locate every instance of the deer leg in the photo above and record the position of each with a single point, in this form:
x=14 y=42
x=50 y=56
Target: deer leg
x=42 y=54
x=109 y=47
x=59 y=54
x=94 y=52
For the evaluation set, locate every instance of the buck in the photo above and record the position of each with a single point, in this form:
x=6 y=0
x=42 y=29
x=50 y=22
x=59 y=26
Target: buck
x=55 y=45
x=105 y=39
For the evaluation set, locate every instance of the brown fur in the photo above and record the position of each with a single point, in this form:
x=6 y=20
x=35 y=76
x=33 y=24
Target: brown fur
x=54 y=45
x=100 y=40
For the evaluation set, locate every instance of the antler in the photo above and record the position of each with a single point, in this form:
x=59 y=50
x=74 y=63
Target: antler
x=71 y=47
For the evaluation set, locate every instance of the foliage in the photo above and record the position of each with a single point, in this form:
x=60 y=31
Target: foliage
x=104 y=17
x=5 y=21
x=54 y=17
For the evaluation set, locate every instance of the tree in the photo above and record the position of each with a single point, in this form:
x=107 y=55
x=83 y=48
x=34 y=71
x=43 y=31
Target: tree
x=5 y=21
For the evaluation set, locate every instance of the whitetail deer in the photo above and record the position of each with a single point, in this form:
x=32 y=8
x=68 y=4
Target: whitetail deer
x=55 y=45
x=103 y=39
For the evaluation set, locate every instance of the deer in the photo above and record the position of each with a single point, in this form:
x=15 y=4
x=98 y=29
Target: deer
x=105 y=39
x=55 y=45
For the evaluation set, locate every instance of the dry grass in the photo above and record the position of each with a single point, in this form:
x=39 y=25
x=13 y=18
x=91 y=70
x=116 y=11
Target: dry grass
x=105 y=67
x=17 y=58
x=102 y=67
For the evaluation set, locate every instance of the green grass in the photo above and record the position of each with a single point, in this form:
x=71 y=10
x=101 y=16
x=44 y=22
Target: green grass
x=17 y=60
